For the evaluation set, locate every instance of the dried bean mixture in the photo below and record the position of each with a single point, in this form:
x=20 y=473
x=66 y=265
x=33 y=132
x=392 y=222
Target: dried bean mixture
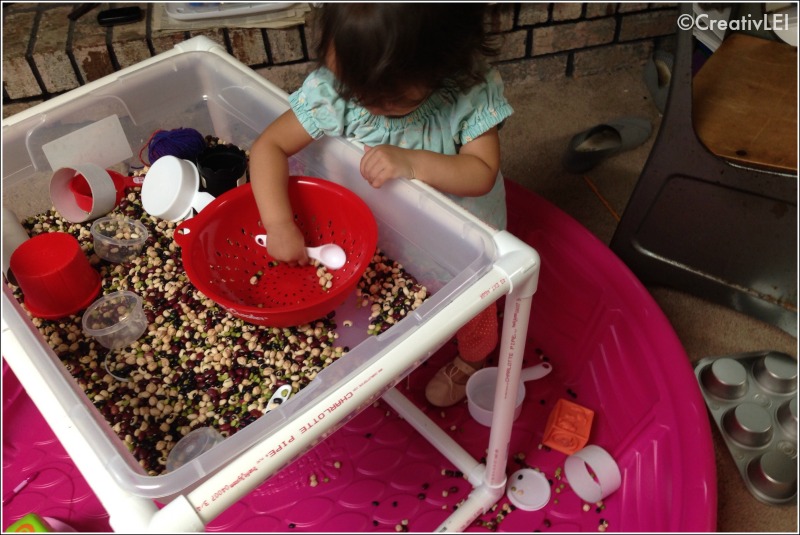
x=197 y=365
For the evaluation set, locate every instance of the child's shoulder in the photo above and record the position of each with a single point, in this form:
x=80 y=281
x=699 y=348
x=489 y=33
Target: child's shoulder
x=491 y=81
x=490 y=87
x=320 y=76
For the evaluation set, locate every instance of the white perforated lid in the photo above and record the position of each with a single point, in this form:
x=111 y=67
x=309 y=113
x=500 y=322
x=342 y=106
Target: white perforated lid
x=528 y=489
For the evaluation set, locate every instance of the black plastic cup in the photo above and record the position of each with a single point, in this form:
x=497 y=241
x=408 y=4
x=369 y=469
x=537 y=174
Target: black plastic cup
x=221 y=168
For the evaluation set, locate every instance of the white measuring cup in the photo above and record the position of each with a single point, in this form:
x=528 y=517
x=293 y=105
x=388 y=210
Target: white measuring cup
x=483 y=383
x=171 y=189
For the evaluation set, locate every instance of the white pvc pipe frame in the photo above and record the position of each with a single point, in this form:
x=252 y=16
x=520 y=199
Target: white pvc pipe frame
x=515 y=273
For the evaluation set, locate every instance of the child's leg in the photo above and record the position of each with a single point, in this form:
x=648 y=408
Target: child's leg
x=478 y=337
x=475 y=340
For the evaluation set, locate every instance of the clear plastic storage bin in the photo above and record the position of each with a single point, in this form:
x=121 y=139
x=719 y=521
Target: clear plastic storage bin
x=199 y=85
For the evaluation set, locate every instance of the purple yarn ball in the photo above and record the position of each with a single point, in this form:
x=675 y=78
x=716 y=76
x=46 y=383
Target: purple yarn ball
x=185 y=143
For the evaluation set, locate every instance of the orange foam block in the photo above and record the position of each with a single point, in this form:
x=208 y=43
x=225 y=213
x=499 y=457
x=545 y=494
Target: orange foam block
x=568 y=427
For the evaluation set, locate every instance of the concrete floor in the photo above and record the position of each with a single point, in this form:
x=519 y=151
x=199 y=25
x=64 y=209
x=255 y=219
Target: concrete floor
x=547 y=115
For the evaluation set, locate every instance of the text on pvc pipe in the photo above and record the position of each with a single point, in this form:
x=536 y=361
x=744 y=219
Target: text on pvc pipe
x=221 y=492
x=315 y=420
x=284 y=443
x=496 y=286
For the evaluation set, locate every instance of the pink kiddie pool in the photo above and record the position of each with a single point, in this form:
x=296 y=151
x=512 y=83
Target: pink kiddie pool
x=612 y=351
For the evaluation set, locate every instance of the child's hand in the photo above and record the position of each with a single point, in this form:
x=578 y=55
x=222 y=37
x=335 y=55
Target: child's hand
x=285 y=243
x=385 y=162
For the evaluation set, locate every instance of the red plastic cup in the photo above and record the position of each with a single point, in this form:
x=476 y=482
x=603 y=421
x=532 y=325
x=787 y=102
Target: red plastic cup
x=55 y=275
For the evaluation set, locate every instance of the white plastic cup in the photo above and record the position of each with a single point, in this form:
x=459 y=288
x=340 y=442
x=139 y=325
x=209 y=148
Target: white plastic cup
x=592 y=473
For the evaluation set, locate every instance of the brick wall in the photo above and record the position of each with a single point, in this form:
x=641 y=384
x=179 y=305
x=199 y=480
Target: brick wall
x=46 y=54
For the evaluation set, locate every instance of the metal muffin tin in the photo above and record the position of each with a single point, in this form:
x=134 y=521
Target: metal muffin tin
x=753 y=399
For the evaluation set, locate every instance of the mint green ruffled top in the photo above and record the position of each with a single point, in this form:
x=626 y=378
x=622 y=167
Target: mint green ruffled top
x=444 y=122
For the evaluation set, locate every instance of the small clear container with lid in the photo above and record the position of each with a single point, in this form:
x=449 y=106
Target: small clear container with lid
x=118 y=239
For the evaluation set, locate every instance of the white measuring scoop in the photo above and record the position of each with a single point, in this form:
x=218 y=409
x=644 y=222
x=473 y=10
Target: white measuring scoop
x=481 y=389
x=279 y=397
x=331 y=255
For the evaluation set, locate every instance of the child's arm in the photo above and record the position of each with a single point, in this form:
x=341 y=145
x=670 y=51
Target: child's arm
x=269 y=176
x=470 y=173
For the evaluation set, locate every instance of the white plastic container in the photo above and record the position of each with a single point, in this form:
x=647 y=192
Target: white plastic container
x=199 y=85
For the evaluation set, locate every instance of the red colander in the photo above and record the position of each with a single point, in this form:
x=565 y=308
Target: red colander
x=223 y=260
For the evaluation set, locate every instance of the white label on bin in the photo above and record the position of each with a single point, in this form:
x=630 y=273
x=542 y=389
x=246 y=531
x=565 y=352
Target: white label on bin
x=102 y=143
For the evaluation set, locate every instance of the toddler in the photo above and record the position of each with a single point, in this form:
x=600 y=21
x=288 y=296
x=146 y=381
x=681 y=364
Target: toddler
x=411 y=82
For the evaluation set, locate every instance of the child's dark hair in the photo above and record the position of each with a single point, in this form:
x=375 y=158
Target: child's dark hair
x=382 y=49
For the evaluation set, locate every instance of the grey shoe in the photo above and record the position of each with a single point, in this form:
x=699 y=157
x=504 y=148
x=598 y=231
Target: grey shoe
x=590 y=147
x=657 y=77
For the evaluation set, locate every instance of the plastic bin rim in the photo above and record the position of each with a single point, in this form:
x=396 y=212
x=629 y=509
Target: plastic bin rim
x=198 y=43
